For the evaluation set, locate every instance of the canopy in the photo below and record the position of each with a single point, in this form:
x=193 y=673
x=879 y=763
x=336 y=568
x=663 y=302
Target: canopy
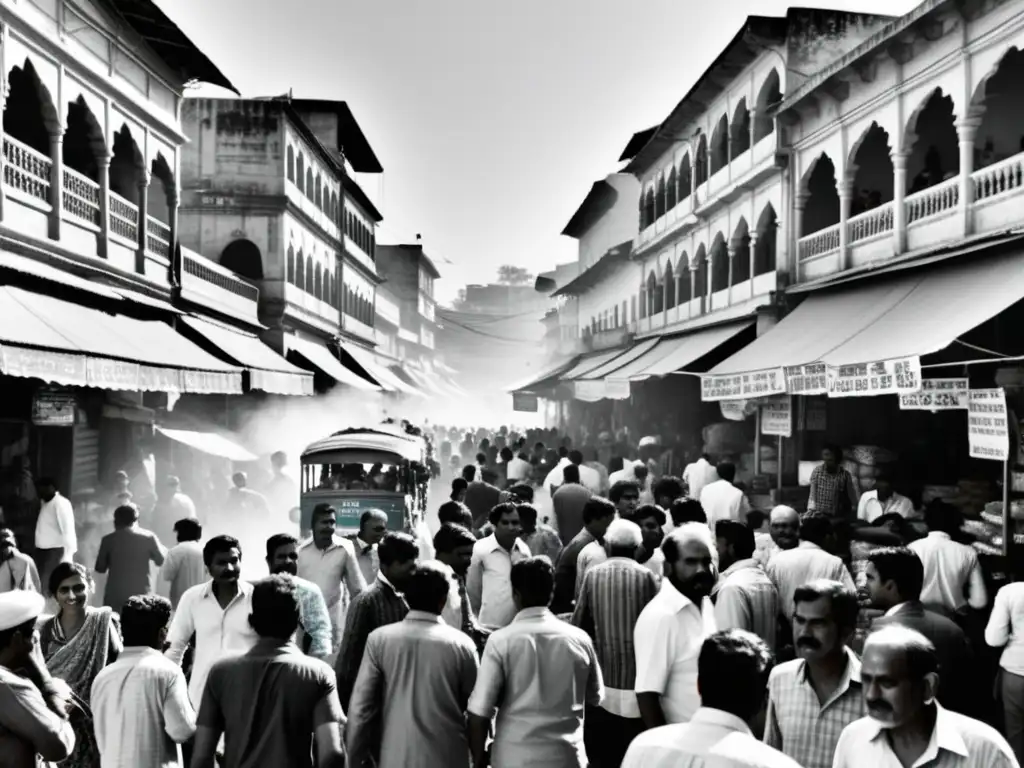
x=548 y=372
x=209 y=442
x=588 y=364
x=57 y=341
x=268 y=371
x=617 y=362
x=375 y=371
x=320 y=357
x=677 y=352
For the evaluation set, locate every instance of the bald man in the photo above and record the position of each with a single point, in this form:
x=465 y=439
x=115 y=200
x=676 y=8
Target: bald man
x=784 y=533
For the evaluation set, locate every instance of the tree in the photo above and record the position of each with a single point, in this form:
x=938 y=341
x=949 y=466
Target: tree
x=509 y=274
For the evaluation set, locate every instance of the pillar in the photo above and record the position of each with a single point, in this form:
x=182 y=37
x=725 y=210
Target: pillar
x=56 y=183
x=731 y=250
x=728 y=152
x=753 y=127
x=753 y=260
x=899 y=209
x=708 y=283
x=143 y=231
x=845 y=195
x=693 y=286
x=693 y=181
x=103 y=170
x=3 y=104
x=174 y=268
x=799 y=206
x=967 y=130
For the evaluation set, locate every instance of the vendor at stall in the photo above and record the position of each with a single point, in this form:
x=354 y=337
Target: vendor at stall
x=833 y=490
x=883 y=501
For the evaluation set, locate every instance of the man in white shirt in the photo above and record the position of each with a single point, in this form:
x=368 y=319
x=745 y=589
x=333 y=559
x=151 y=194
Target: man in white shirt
x=722 y=500
x=733 y=669
x=952 y=573
x=518 y=468
x=905 y=725
x=488 y=579
x=183 y=566
x=55 y=540
x=590 y=478
x=671 y=628
x=699 y=474
x=140 y=704
x=217 y=612
x=883 y=501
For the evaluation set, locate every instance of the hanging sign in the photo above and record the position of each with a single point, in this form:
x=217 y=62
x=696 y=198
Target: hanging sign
x=937 y=395
x=777 y=416
x=807 y=379
x=988 y=426
x=591 y=391
x=884 y=377
x=524 y=402
x=734 y=410
x=742 y=386
x=53 y=408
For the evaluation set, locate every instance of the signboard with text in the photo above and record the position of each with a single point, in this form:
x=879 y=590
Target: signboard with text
x=777 y=416
x=988 y=426
x=524 y=402
x=937 y=395
x=53 y=408
x=883 y=377
x=809 y=379
x=742 y=386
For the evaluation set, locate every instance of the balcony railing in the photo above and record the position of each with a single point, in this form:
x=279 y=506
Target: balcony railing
x=158 y=238
x=26 y=170
x=81 y=196
x=819 y=243
x=1000 y=178
x=943 y=197
x=214 y=274
x=124 y=218
x=877 y=221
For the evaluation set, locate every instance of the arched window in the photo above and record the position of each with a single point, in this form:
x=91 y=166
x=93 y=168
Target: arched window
x=659 y=199
x=318 y=197
x=290 y=266
x=300 y=271
x=309 y=274
x=670 y=190
x=291 y=164
x=318 y=290
x=300 y=173
x=310 y=183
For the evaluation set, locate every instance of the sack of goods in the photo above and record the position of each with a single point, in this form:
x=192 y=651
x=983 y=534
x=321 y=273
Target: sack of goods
x=728 y=438
x=872 y=455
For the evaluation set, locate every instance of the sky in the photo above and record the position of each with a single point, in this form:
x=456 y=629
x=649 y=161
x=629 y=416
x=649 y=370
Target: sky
x=491 y=119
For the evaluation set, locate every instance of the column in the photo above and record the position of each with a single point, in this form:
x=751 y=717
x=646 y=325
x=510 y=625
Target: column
x=678 y=277
x=140 y=253
x=731 y=249
x=664 y=298
x=845 y=194
x=56 y=183
x=799 y=205
x=708 y=283
x=728 y=152
x=3 y=103
x=753 y=126
x=174 y=268
x=967 y=130
x=693 y=182
x=899 y=209
x=693 y=289
x=103 y=168
x=753 y=260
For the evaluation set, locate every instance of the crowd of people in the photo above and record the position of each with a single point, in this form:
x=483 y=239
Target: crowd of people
x=573 y=611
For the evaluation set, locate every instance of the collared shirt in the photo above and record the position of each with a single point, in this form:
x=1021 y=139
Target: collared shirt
x=613 y=595
x=219 y=631
x=126 y=555
x=595 y=554
x=798 y=724
x=950 y=570
x=28 y=728
x=417 y=676
x=184 y=568
x=870 y=508
x=457 y=611
x=957 y=741
x=19 y=572
x=518 y=469
x=538 y=672
x=328 y=568
x=565 y=571
x=590 y=478
x=745 y=598
x=697 y=475
x=712 y=739
x=141 y=710
x=724 y=501
x=668 y=637
x=568 y=502
x=314 y=617
x=268 y=702
x=55 y=526
x=834 y=494
x=366 y=556
x=1006 y=627
x=489 y=580
x=792 y=568
x=544 y=541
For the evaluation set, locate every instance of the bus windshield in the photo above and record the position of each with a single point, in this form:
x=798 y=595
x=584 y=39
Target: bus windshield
x=353 y=477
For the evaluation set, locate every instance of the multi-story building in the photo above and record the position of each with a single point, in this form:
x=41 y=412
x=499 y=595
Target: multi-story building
x=268 y=189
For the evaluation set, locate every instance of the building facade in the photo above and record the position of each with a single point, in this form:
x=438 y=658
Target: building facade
x=410 y=274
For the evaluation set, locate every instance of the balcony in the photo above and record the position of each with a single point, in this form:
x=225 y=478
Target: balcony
x=309 y=308
x=358 y=328
x=208 y=284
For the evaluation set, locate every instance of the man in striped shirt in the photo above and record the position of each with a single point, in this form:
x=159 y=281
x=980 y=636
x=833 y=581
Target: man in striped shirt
x=612 y=595
x=744 y=596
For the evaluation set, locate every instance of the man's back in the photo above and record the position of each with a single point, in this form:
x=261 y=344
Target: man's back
x=481 y=498
x=184 y=568
x=268 y=703
x=568 y=502
x=722 y=501
x=791 y=568
x=141 y=710
x=126 y=555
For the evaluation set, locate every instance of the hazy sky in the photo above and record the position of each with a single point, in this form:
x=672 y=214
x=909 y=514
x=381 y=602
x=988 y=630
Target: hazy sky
x=491 y=119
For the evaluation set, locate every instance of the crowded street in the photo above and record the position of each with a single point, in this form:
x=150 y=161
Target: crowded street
x=659 y=411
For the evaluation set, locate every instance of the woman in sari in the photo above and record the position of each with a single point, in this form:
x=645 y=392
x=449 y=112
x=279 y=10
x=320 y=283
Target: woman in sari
x=76 y=644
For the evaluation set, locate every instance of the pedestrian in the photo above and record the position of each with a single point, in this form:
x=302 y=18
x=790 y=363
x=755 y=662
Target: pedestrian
x=315 y=632
x=722 y=500
x=568 y=501
x=17 y=570
x=540 y=538
x=56 y=540
x=833 y=490
x=373 y=524
x=598 y=514
x=140 y=702
x=183 y=566
x=745 y=598
x=409 y=702
x=538 y=673
x=272 y=702
x=953 y=580
x=126 y=555
x=487 y=581
x=380 y=604
x=34 y=706
x=453 y=545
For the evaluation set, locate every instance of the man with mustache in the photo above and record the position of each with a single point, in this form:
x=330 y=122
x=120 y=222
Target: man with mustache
x=671 y=628
x=314 y=621
x=814 y=697
x=905 y=724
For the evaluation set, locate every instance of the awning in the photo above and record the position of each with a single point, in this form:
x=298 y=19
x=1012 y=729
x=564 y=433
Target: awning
x=65 y=343
x=267 y=369
x=631 y=354
x=402 y=377
x=913 y=314
x=675 y=353
x=547 y=377
x=148 y=301
x=209 y=442
x=46 y=271
x=371 y=369
x=320 y=357
x=588 y=364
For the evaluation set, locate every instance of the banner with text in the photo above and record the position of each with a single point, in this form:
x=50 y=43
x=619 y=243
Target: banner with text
x=809 y=379
x=883 y=377
x=937 y=395
x=777 y=416
x=988 y=426
x=524 y=402
x=742 y=386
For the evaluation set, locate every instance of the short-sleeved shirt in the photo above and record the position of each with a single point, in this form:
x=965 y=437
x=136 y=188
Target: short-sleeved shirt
x=184 y=568
x=268 y=702
x=126 y=555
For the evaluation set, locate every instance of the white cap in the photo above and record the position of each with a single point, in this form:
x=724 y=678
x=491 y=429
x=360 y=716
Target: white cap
x=19 y=607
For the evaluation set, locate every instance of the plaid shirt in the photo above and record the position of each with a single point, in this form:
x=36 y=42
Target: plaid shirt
x=835 y=495
x=798 y=725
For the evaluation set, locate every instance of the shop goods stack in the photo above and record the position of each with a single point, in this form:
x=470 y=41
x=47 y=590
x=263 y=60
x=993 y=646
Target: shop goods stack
x=867 y=462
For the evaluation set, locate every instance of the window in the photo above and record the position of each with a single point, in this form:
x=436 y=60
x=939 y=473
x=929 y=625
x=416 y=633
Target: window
x=300 y=173
x=291 y=164
x=290 y=266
